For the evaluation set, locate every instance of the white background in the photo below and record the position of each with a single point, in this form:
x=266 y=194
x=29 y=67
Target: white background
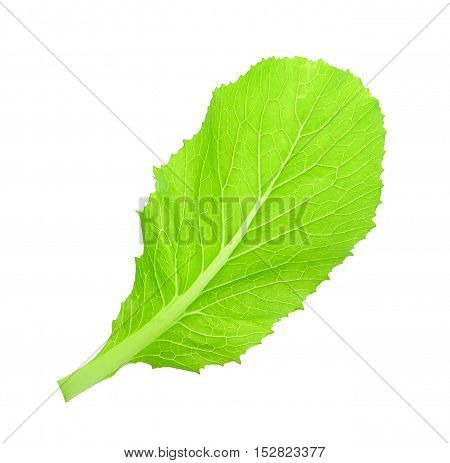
x=70 y=180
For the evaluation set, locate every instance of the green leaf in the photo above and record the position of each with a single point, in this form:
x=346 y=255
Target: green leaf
x=248 y=218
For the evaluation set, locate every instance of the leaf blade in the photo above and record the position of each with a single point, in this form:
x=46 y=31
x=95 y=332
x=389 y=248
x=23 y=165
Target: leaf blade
x=290 y=132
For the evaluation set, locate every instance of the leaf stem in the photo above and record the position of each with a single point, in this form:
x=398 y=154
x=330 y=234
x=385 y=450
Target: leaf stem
x=107 y=363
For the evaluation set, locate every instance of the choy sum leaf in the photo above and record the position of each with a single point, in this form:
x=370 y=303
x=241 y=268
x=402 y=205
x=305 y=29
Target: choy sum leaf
x=247 y=219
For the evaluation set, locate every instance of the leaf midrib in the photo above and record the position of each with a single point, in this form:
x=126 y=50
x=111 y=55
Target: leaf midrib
x=110 y=361
x=104 y=366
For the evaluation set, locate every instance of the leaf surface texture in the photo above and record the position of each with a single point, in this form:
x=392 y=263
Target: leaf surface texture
x=248 y=218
